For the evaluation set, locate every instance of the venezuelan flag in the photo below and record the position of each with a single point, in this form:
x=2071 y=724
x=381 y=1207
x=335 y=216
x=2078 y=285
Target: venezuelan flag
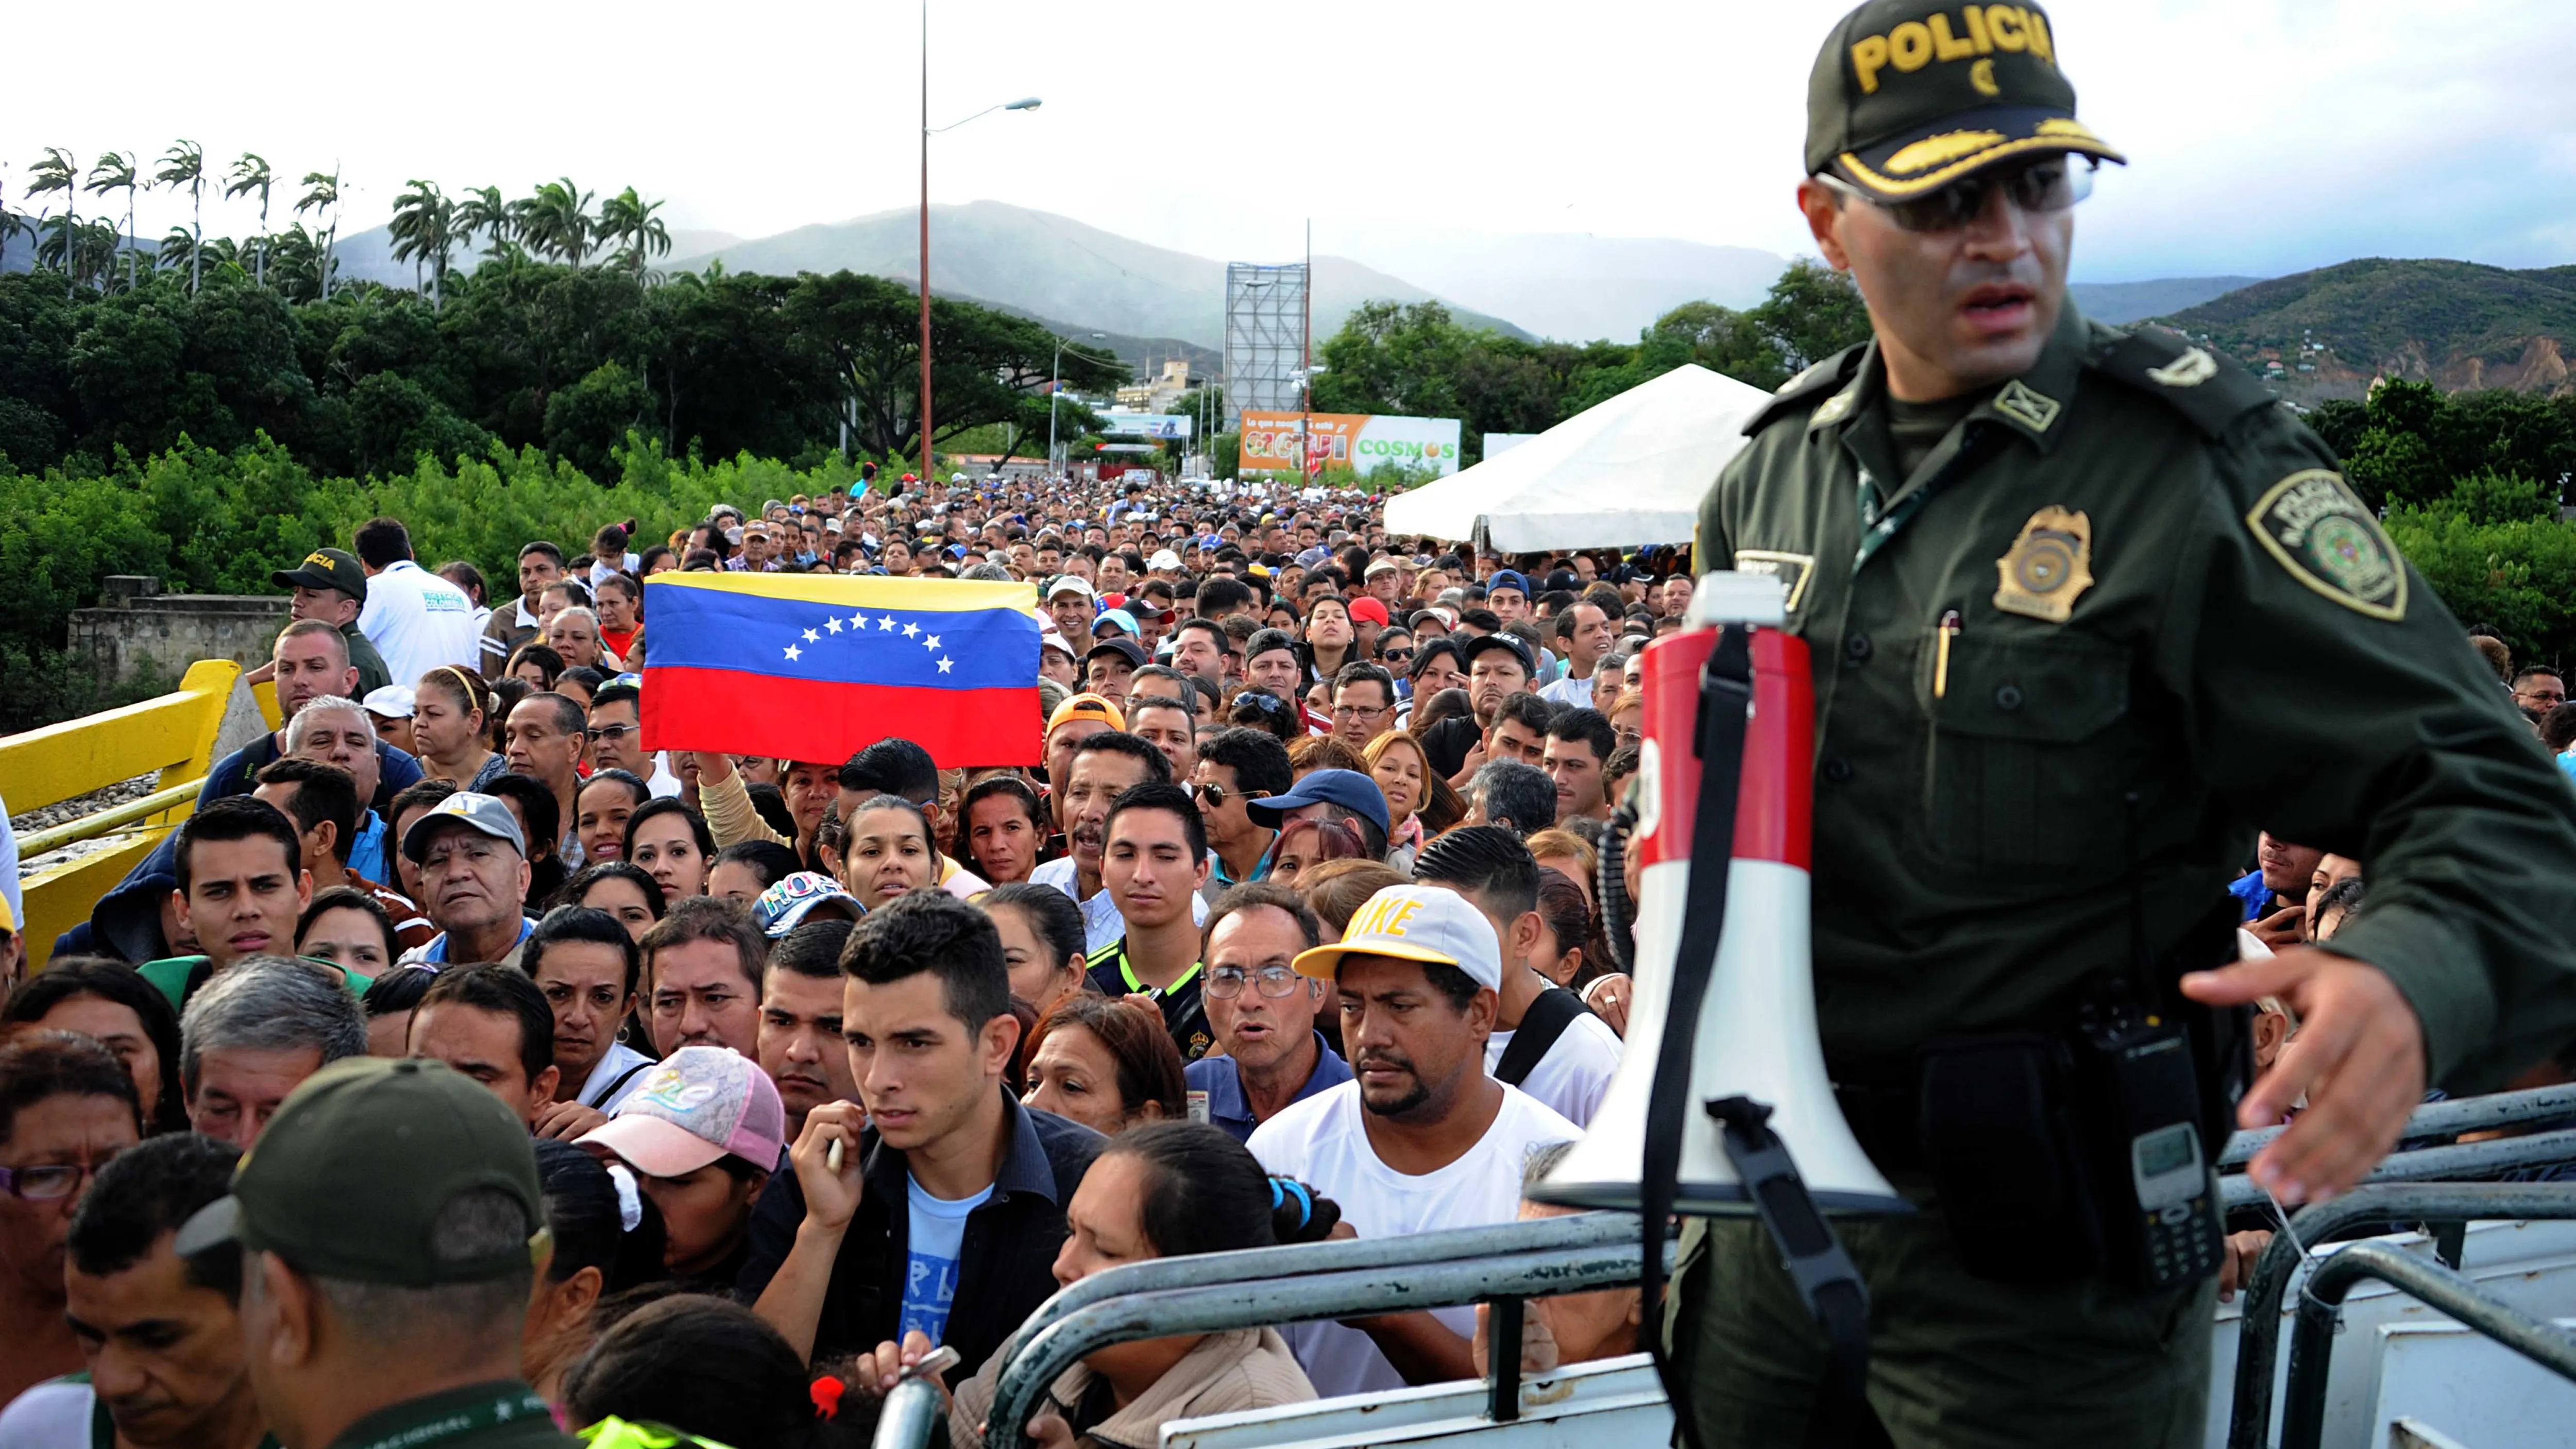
x=820 y=666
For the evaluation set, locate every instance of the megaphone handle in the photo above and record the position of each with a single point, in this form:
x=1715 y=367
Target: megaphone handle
x=1725 y=699
x=1824 y=1273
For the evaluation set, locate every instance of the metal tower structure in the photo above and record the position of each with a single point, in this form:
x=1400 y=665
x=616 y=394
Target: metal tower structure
x=1265 y=338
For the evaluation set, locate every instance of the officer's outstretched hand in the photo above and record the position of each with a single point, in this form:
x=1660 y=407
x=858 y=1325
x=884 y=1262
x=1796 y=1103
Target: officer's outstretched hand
x=2358 y=1055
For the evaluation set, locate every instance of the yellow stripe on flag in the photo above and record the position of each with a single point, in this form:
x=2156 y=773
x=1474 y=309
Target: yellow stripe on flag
x=858 y=591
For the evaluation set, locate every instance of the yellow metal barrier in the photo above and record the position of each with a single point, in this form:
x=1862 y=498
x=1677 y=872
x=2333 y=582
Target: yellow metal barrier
x=174 y=734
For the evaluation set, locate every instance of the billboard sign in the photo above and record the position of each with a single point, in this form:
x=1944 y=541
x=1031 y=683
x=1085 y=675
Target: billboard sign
x=1167 y=427
x=1362 y=442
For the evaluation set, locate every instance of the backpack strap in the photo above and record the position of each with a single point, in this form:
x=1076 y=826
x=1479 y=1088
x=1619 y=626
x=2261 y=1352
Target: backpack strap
x=1545 y=1021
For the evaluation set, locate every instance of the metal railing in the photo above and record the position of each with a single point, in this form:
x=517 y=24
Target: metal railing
x=910 y=1413
x=2439 y=1119
x=2321 y=1305
x=2391 y=1204
x=174 y=735
x=1267 y=1265
x=1315 y=1282
x=2460 y=1162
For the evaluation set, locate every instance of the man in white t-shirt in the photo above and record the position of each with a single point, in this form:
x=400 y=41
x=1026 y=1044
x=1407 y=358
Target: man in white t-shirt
x=1423 y=1139
x=417 y=620
x=1572 y=1053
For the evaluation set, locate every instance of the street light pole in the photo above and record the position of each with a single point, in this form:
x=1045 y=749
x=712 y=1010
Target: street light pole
x=1029 y=103
x=1055 y=385
x=925 y=244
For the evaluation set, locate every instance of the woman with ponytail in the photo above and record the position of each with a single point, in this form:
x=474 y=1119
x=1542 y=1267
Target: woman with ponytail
x=1163 y=1190
x=451 y=715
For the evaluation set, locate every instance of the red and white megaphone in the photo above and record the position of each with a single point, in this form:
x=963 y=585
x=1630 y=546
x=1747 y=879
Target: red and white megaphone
x=1755 y=1035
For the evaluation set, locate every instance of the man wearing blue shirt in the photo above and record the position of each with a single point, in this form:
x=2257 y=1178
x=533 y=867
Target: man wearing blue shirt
x=1261 y=1010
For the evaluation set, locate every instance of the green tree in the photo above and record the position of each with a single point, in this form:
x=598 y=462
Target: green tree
x=1811 y=313
x=424 y=230
x=556 y=221
x=322 y=195
x=591 y=417
x=629 y=219
x=249 y=174
x=115 y=171
x=482 y=213
x=183 y=168
x=59 y=171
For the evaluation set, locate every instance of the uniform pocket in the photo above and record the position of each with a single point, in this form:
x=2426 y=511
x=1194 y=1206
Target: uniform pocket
x=2019 y=763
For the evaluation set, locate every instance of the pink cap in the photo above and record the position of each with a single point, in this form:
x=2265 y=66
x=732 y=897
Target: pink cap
x=700 y=1103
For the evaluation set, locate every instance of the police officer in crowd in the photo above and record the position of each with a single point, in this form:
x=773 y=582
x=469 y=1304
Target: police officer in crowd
x=2086 y=607
x=391 y=1228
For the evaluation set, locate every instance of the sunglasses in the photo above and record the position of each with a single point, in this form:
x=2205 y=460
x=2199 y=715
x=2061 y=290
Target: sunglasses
x=1396 y=656
x=2051 y=184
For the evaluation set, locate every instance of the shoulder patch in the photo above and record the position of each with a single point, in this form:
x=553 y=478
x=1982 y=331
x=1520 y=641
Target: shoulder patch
x=1800 y=394
x=2210 y=391
x=2313 y=526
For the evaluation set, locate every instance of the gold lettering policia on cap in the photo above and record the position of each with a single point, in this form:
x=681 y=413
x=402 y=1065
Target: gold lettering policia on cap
x=1981 y=31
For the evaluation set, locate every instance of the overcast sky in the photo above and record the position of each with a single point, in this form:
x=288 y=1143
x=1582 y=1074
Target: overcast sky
x=2266 y=135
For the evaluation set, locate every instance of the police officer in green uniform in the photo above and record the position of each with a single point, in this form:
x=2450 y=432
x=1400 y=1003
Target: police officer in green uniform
x=2085 y=608
x=391 y=1227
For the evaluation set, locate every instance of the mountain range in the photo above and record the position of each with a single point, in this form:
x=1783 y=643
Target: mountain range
x=2461 y=325
x=2315 y=334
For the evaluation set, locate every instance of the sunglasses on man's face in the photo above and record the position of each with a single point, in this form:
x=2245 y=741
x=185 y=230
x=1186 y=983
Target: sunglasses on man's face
x=2053 y=183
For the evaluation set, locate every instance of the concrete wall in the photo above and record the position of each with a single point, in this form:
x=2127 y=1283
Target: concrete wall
x=140 y=632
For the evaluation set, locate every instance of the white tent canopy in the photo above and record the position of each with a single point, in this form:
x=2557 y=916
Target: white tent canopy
x=1628 y=471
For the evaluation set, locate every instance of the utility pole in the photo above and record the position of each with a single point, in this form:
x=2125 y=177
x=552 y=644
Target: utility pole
x=925 y=243
x=1306 y=360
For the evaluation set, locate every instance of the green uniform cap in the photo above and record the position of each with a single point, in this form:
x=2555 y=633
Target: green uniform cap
x=326 y=568
x=351 y=1174
x=1907 y=97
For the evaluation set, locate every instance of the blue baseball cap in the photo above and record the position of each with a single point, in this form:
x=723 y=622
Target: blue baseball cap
x=1507 y=579
x=1349 y=789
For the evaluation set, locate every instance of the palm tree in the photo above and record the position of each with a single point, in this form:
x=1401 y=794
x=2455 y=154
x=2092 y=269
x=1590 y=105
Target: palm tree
x=629 y=218
x=184 y=165
x=482 y=213
x=424 y=228
x=299 y=262
x=557 y=220
x=115 y=171
x=59 y=171
x=83 y=251
x=178 y=249
x=250 y=174
x=322 y=193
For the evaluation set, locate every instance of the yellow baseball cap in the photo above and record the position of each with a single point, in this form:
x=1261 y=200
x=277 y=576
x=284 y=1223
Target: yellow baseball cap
x=1086 y=706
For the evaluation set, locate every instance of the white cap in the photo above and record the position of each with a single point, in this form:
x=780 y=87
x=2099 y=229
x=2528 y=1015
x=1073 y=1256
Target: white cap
x=1163 y=559
x=1053 y=640
x=393 y=701
x=1068 y=584
x=1416 y=923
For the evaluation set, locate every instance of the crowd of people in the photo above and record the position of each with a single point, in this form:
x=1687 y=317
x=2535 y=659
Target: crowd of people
x=1292 y=927
x=1288 y=926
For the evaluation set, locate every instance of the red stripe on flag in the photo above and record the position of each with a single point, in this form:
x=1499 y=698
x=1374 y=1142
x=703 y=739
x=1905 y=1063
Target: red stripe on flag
x=795 y=719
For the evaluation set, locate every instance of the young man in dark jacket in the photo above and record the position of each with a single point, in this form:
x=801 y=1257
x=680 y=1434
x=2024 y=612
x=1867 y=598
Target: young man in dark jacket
x=943 y=1206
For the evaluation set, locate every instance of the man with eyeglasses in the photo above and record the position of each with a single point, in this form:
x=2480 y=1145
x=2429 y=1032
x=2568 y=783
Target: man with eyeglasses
x=2540 y=689
x=615 y=730
x=1363 y=704
x=2064 y=585
x=1262 y=1011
